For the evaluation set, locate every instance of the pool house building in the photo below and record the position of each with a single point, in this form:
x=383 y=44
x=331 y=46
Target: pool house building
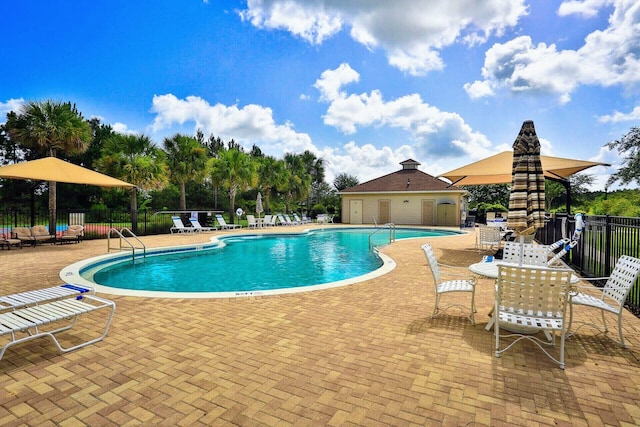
x=407 y=197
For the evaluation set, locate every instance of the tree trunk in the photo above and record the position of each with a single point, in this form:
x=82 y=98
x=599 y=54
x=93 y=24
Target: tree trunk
x=52 y=208
x=183 y=197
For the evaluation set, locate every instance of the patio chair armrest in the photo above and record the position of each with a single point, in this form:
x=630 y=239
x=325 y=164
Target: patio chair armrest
x=457 y=271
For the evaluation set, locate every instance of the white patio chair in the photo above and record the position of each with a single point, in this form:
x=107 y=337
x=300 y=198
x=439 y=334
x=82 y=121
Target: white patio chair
x=465 y=284
x=531 y=298
x=611 y=297
x=488 y=237
x=525 y=254
x=251 y=221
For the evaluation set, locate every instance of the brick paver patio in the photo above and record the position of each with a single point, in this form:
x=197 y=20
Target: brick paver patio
x=367 y=354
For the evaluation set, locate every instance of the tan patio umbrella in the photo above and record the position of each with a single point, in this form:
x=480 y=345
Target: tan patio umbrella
x=54 y=169
x=526 y=200
x=497 y=169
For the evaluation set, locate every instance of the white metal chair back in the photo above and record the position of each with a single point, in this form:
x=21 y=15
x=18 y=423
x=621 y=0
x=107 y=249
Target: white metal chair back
x=488 y=236
x=465 y=284
x=622 y=279
x=612 y=296
x=525 y=253
x=531 y=297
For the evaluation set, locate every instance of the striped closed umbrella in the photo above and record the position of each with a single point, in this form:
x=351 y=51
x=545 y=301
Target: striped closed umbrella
x=526 y=200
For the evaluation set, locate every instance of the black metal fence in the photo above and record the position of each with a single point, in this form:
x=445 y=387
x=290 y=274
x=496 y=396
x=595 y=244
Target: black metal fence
x=603 y=241
x=97 y=223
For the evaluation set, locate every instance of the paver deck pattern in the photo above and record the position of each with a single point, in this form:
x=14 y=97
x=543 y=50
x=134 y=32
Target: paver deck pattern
x=367 y=354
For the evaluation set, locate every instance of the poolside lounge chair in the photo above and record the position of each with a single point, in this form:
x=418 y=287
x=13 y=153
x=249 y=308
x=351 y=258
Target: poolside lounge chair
x=267 y=221
x=73 y=234
x=288 y=219
x=224 y=225
x=178 y=226
x=463 y=283
x=531 y=297
x=297 y=219
x=37 y=296
x=199 y=228
x=251 y=221
x=612 y=297
x=32 y=321
x=8 y=242
x=283 y=221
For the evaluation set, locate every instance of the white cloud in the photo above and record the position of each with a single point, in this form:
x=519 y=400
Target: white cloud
x=310 y=20
x=247 y=125
x=608 y=57
x=13 y=104
x=433 y=132
x=617 y=116
x=585 y=8
x=123 y=129
x=411 y=32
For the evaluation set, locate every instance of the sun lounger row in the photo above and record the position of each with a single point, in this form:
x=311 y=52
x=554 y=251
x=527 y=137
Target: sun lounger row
x=40 y=313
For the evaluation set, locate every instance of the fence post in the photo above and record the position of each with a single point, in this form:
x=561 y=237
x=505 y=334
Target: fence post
x=607 y=245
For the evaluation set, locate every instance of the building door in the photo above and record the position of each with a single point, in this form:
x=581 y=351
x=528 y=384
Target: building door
x=384 y=211
x=428 y=218
x=355 y=211
x=447 y=214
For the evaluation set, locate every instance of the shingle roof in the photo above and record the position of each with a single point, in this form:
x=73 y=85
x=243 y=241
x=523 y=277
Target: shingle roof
x=404 y=180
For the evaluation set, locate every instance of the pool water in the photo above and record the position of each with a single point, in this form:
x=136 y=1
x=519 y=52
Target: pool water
x=258 y=262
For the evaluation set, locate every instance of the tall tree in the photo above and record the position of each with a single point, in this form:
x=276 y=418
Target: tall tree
x=315 y=168
x=187 y=160
x=235 y=170
x=629 y=149
x=50 y=127
x=272 y=176
x=343 y=180
x=137 y=160
x=298 y=183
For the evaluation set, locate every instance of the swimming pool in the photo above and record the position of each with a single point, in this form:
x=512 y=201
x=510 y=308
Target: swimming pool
x=248 y=264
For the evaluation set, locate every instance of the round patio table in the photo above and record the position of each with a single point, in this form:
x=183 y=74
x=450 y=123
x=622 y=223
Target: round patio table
x=490 y=269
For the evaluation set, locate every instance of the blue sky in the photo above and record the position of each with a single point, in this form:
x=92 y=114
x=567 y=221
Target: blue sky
x=362 y=84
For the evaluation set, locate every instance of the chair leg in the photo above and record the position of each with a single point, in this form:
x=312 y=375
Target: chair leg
x=435 y=307
x=624 y=345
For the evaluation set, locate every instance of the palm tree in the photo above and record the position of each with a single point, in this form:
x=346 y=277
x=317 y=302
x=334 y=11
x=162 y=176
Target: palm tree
x=272 y=175
x=50 y=127
x=298 y=180
x=137 y=160
x=235 y=170
x=187 y=160
x=315 y=168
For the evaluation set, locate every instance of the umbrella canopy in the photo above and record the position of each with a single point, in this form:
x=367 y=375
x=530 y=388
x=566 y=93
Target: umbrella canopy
x=497 y=169
x=259 y=209
x=526 y=200
x=53 y=169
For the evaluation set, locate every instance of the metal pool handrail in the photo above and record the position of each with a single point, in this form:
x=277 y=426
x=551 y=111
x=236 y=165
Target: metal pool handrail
x=130 y=246
x=392 y=233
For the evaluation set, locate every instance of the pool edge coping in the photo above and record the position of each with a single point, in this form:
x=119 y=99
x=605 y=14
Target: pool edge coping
x=71 y=273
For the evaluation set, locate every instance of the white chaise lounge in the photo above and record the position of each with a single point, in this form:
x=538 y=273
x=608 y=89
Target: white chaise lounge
x=32 y=321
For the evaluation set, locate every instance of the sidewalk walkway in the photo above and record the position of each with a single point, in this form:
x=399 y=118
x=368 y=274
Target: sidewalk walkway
x=362 y=355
